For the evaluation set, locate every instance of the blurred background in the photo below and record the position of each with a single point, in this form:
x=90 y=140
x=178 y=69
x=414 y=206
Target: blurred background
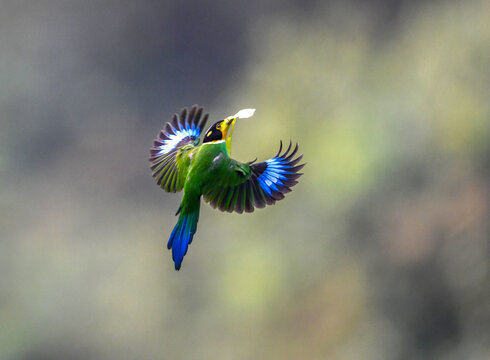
x=381 y=252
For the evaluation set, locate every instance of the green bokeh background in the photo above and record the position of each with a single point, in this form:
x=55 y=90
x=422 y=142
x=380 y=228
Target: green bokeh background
x=381 y=251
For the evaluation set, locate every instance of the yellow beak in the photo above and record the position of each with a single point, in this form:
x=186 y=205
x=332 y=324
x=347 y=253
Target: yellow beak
x=229 y=126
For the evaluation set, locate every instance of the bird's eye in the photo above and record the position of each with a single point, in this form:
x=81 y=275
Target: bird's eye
x=218 y=126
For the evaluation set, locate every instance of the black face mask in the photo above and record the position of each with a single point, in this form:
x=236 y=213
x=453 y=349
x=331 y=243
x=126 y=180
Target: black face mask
x=213 y=133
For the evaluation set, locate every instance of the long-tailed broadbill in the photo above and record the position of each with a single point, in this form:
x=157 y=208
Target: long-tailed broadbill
x=178 y=162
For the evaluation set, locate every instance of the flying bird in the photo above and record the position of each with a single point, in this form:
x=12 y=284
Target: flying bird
x=207 y=170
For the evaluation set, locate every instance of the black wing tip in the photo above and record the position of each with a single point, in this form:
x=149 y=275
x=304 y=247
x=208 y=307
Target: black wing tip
x=194 y=115
x=203 y=122
x=280 y=148
x=187 y=111
x=286 y=152
x=183 y=114
x=186 y=117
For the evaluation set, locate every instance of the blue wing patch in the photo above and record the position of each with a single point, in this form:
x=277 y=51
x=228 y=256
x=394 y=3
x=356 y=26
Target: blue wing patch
x=173 y=140
x=275 y=176
x=276 y=170
x=183 y=129
x=268 y=182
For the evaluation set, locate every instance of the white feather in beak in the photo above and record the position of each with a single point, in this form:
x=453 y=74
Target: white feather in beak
x=242 y=114
x=230 y=120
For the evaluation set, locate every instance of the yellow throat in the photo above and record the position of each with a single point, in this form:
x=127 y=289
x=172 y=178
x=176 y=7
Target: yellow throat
x=230 y=125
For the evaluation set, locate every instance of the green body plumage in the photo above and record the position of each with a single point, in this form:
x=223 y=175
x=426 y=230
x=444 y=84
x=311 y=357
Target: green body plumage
x=207 y=170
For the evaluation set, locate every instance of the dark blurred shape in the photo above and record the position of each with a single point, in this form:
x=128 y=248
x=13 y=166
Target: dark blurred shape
x=58 y=351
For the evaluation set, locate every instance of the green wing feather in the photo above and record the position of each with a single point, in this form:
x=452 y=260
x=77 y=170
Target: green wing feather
x=170 y=154
x=258 y=184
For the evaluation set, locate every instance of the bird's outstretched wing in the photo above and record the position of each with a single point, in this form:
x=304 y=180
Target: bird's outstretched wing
x=182 y=130
x=264 y=184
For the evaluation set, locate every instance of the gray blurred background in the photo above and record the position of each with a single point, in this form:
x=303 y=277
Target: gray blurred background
x=381 y=252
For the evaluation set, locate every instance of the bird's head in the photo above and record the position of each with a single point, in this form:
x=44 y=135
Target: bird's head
x=223 y=129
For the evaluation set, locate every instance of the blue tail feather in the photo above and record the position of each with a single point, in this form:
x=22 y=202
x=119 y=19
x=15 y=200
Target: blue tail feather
x=181 y=236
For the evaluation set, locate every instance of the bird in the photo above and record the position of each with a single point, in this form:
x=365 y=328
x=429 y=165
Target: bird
x=178 y=162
